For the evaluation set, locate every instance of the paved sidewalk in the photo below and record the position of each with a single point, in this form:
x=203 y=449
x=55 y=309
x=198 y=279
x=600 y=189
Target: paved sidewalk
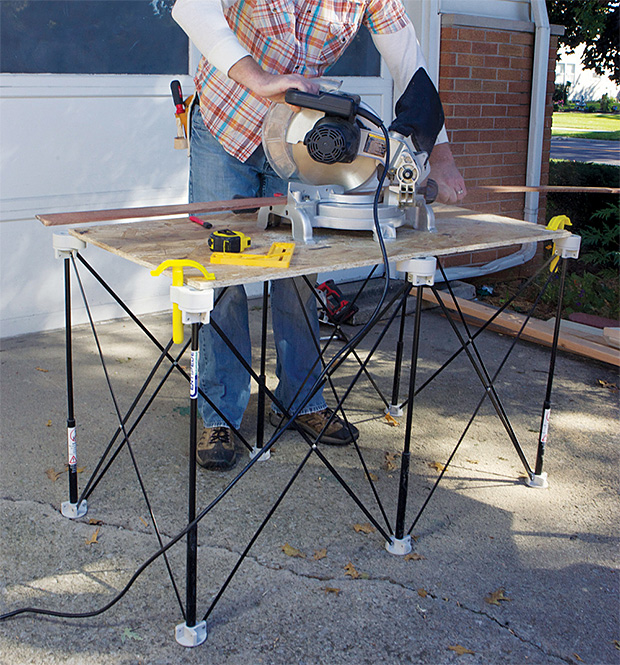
x=546 y=559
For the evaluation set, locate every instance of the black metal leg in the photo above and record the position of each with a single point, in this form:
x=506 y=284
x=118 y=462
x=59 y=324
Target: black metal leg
x=262 y=379
x=71 y=508
x=401 y=544
x=394 y=408
x=189 y=633
x=538 y=479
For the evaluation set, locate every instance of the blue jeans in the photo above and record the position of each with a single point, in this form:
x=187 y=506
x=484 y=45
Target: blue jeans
x=216 y=176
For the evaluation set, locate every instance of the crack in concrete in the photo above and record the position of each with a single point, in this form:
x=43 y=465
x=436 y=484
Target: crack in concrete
x=306 y=575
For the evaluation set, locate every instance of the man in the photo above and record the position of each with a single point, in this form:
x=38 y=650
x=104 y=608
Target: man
x=253 y=51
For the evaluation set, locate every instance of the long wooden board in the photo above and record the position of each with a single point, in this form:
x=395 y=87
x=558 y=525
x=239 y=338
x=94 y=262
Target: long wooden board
x=569 y=189
x=535 y=331
x=87 y=217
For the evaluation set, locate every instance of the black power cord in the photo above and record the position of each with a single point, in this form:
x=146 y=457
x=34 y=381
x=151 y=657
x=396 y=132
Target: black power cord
x=349 y=346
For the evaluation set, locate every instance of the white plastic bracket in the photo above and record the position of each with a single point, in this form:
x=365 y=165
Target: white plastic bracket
x=421 y=271
x=65 y=245
x=538 y=481
x=264 y=454
x=568 y=248
x=195 y=304
x=399 y=546
x=191 y=636
x=394 y=410
x=73 y=510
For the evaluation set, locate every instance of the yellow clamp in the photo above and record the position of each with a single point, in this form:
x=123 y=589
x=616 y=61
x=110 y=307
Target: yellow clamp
x=557 y=223
x=177 y=266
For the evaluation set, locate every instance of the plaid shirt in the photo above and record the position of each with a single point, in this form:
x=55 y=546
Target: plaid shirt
x=284 y=36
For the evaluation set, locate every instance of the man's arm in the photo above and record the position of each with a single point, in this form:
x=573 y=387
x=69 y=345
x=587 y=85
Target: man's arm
x=205 y=24
x=249 y=73
x=444 y=171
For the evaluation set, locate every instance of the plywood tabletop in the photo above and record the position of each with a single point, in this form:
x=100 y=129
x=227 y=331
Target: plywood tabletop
x=149 y=243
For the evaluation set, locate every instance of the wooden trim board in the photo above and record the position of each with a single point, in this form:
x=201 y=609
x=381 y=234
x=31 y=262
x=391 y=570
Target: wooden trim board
x=538 y=331
x=87 y=217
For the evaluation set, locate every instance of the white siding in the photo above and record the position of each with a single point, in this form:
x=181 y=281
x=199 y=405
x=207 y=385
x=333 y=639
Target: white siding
x=90 y=142
x=79 y=143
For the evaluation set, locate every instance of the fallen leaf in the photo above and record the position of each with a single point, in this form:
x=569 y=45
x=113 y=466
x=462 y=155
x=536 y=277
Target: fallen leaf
x=473 y=461
x=95 y=522
x=610 y=386
x=460 y=650
x=291 y=551
x=414 y=556
x=437 y=466
x=144 y=521
x=373 y=476
x=331 y=589
x=129 y=634
x=40 y=369
x=349 y=569
x=49 y=423
x=93 y=539
x=422 y=593
x=577 y=657
x=616 y=643
x=52 y=474
x=496 y=596
x=364 y=528
x=78 y=469
x=389 y=461
x=320 y=554
x=391 y=420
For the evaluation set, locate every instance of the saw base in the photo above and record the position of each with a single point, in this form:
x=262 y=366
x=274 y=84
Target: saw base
x=309 y=207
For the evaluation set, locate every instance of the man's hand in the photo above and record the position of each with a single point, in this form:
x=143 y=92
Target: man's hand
x=272 y=86
x=445 y=173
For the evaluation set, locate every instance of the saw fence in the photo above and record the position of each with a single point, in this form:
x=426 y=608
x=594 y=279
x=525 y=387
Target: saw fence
x=419 y=255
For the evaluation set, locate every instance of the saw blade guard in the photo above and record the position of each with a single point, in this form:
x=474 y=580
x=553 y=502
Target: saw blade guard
x=284 y=132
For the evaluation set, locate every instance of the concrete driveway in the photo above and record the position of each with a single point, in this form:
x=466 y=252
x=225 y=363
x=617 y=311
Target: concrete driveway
x=502 y=574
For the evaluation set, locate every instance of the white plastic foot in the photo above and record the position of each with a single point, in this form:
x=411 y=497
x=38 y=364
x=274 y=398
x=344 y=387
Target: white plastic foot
x=399 y=546
x=420 y=271
x=568 y=248
x=264 y=454
x=538 y=482
x=73 y=510
x=65 y=245
x=394 y=410
x=191 y=636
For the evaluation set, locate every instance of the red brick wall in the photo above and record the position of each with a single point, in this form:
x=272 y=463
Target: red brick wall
x=485 y=84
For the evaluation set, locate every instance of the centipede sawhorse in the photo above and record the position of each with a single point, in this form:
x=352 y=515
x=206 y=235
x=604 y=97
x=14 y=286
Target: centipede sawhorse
x=164 y=240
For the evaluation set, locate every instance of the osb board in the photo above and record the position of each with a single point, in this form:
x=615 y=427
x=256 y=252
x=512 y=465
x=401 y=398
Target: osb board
x=149 y=243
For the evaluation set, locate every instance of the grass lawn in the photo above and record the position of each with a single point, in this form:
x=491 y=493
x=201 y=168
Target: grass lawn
x=600 y=126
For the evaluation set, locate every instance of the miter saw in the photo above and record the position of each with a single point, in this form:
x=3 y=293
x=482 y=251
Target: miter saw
x=334 y=151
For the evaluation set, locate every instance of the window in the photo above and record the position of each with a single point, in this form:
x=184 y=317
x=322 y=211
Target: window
x=91 y=37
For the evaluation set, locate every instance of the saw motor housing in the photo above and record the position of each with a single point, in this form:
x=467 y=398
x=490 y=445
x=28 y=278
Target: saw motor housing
x=333 y=150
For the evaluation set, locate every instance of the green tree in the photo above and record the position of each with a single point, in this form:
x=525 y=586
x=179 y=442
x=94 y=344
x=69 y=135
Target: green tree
x=595 y=23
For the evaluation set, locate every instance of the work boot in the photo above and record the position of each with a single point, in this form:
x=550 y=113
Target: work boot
x=338 y=433
x=216 y=449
